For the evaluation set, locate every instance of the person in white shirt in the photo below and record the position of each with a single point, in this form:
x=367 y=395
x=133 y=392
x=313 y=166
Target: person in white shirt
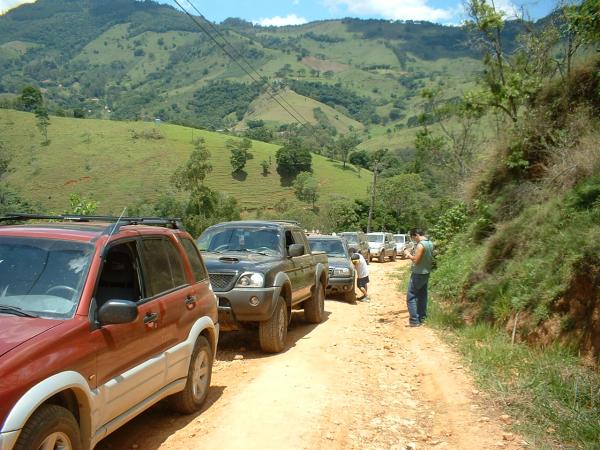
x=362 y=272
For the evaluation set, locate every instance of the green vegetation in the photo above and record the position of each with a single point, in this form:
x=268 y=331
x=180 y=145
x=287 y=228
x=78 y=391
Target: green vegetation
x=122 y=164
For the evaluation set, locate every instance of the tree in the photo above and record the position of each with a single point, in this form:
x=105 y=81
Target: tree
x=81 y=206
x=306 y=188
x=377 y=162
x=240 y=153
x=509 y=80
x=31 y=98
x=265 y=166
x=204 y=206
x=190 y=177
x=43 y=121
x=344 y=145
x=293 y=158
x=405 y=196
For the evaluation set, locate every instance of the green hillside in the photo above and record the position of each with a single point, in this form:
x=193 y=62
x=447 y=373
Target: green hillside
x=142 y=60
x=126 y=163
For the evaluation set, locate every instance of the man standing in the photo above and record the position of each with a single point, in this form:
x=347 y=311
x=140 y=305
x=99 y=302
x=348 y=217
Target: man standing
x=416 y=297
x=362 y=272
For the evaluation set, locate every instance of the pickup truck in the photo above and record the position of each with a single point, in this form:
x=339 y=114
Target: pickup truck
x=260 y=271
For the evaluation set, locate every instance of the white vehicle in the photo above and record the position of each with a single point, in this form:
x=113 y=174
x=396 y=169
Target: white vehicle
x=403 y=243
x=381 y=246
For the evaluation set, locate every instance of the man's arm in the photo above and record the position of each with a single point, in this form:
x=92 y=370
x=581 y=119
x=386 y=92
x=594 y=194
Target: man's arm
x=418 y=254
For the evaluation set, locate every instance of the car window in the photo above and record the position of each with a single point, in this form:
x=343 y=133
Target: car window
x=163 y=269
x=119 y=276
x=240 y=239
x=330 y=246
x=44 y=277
x=298 y=237
x=399 y=238
x=375 y=237
x=194 y=257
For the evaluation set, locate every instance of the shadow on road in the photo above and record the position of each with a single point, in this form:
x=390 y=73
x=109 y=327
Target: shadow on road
x=245 y=342
x=160 y=420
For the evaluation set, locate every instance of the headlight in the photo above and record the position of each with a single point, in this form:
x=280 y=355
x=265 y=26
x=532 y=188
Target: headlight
x=342 y=272
x=251 y=279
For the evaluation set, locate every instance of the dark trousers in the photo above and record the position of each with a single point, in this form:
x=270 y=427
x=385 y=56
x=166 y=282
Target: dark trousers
x=416 y=298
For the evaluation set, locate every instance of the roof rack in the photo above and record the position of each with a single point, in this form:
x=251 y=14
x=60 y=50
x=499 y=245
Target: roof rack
x=293 y=222
x=168 y=222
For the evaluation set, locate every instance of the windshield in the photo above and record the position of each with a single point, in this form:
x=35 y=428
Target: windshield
x=42 y=277
x=375 y=237
x=264 y=241
x=352 y=238
x=400 y=238
x=330 y=246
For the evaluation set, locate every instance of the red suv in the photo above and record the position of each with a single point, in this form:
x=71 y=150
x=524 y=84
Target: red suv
x=100 y=318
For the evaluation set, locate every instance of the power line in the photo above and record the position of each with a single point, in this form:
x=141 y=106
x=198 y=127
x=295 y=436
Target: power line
x=262 y=77
x=235 y=60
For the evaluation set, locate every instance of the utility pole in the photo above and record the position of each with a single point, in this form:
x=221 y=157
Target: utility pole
x=377 y=160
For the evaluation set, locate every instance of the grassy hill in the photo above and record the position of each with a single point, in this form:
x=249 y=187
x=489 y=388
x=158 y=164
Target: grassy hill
x=126 y=163
x=140 y=60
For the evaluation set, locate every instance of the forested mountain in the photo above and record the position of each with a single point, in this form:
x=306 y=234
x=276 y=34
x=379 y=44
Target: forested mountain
x=127 y=59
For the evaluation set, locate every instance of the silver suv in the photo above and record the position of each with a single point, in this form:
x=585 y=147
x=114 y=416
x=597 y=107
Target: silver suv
x=381 y=246
x=403 y=243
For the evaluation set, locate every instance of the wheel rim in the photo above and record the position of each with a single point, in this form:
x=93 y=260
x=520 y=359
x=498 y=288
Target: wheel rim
x=200 y=374
x=56 y=441
x=282 y=324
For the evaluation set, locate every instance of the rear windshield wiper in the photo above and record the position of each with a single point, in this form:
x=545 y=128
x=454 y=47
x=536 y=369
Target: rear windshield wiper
x=16 y=311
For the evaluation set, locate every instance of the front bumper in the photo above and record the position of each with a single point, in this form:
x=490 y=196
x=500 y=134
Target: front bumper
x=235 y=307
x=339 y=285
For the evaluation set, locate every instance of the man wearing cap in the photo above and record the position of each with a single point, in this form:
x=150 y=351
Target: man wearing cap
x=362 y=272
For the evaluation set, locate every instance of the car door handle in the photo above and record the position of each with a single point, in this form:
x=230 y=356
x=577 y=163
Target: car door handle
x=150 y=317
x=190 y=300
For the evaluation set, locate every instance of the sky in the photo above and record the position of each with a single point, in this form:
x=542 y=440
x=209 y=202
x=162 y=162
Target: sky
x=295 y=12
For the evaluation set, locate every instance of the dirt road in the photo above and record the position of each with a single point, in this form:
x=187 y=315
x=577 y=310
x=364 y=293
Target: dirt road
x=360 y=380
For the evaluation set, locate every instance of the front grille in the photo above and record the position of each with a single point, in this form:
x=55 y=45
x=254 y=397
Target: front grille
x=222 y=281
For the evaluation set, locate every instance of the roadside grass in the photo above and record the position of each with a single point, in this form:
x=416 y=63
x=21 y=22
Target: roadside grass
x=553 y=400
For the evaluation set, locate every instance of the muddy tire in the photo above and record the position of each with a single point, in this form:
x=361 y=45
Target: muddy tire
x=314 y=308
x=393 y=257
x=381 y=257
x=197 y=384
x=52 y=427
x=272 y=332
x=350 y=297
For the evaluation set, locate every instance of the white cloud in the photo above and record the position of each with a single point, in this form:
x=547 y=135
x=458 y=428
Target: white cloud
x=393 y=9
x=5 y=5
x=277 y=21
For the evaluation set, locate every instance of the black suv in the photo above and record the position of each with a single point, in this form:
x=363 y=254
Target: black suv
x=261 y=271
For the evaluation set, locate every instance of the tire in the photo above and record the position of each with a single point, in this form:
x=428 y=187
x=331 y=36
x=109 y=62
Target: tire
x=393 y=258
x=50 y=427
x=196 y=388
x=368 y=258
x=314 y=308
x=382 y=257
x=272 y=332
x=350 y=297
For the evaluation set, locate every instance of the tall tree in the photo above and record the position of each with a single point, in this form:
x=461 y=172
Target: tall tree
x=43 y=121
x=293 y=158
x=190 y=177
x=344 y=145
x=31 y=98
x=377 y=165
x=240 y=153
x=306 y=188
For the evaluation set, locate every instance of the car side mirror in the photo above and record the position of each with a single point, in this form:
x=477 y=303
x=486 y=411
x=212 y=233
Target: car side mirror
x=117 y=311
x=296 y=250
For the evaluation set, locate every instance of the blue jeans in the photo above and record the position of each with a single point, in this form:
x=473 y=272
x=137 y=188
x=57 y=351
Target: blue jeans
x=416 y=298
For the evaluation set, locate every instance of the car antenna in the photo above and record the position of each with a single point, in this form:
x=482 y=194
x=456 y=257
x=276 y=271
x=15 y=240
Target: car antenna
x=112 y=231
